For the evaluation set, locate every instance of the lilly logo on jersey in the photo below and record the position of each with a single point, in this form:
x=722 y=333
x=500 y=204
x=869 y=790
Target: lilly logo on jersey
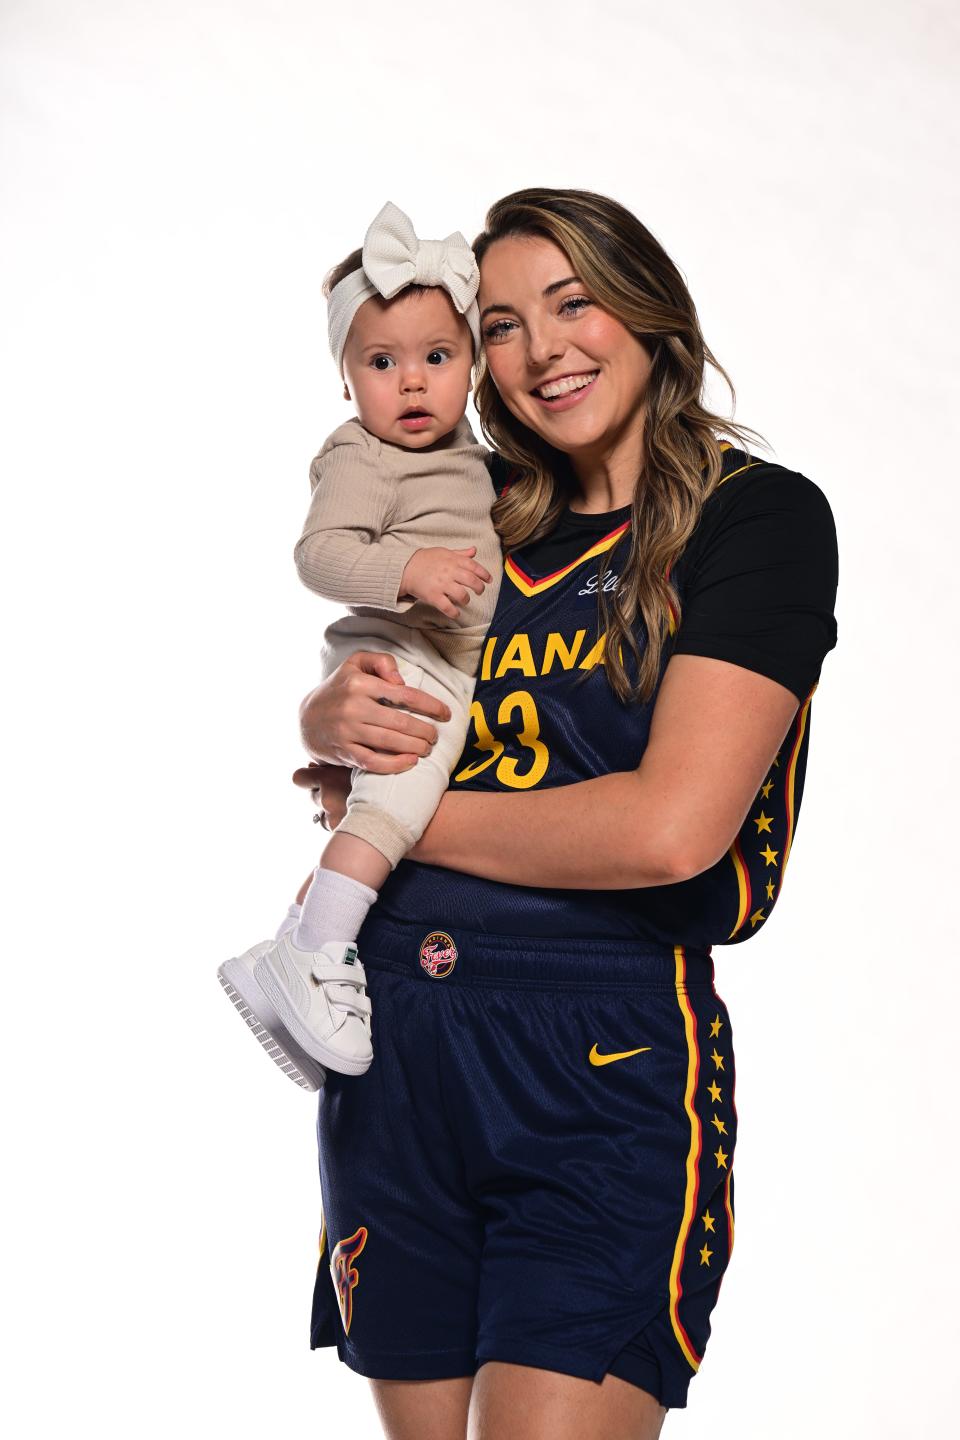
x=438 y=954
x=593 y=584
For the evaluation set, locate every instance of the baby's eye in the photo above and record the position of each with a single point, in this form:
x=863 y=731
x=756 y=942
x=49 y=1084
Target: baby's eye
x=383 y=362
x=574 y=303
x=498 y=329
x=437 y=357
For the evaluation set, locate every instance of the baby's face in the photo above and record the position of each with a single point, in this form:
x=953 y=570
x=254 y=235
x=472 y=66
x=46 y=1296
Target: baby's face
x=407 y=365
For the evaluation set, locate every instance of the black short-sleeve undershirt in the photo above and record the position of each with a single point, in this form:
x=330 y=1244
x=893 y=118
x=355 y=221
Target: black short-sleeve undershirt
x=757 y=580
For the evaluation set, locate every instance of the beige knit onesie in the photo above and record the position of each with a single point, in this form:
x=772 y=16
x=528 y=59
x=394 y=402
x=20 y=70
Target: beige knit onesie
x=373 y=505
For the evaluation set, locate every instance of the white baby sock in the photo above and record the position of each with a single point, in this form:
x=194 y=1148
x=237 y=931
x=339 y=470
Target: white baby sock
x=289 y=921
x=334 y=908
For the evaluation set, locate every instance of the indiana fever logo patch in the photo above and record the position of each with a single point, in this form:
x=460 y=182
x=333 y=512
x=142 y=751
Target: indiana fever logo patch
x=344 y=1272
x=438 y=954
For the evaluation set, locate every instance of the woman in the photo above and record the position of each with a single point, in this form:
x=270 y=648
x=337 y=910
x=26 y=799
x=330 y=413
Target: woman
x=533 y=1184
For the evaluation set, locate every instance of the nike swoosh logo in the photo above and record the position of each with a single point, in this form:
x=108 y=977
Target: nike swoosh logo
x=596 y=1058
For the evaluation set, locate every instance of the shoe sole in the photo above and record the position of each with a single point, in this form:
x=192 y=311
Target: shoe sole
x=298 y=1070
x=290 y=1019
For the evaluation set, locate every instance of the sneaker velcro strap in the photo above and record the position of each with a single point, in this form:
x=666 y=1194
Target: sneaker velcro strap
x=325 y=969
x=343 y=984
x=353 y=1001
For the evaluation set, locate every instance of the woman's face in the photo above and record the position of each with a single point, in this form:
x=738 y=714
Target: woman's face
x=566 y=368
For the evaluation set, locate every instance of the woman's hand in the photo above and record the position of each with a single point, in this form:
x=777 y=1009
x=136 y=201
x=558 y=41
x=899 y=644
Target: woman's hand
x=358 y=716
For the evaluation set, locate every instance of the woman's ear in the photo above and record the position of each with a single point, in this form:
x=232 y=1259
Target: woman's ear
x=346 y=391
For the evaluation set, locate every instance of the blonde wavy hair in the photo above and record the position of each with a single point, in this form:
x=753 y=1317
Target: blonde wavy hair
x=627 y=271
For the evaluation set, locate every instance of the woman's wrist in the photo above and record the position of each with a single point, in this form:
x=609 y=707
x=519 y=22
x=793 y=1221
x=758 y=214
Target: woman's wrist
x=313 y=732
x=429 y=848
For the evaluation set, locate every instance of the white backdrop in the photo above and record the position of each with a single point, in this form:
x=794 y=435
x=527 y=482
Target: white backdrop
x=175 y=180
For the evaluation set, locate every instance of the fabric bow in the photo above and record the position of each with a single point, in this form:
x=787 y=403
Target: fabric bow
x=394 y=257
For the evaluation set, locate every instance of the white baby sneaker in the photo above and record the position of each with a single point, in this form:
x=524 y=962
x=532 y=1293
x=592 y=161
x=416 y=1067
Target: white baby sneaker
x=236 y=977
x=321 y=999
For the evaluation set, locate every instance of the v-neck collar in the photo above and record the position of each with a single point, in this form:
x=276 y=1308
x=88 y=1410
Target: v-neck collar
x=534 y=585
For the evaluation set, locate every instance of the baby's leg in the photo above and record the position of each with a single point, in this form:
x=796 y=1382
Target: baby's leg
x=311 y=976
x=391 y=812
x=349 y=855
x=386 y=813
x=338 y=898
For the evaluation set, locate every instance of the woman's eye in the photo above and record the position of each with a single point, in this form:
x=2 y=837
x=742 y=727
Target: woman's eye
x=437 y=357
x=498 y=329
x=575 y=303
x=382 y=362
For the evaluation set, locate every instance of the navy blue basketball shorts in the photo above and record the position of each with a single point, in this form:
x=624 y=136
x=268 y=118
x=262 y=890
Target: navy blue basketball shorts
x=537 y=1167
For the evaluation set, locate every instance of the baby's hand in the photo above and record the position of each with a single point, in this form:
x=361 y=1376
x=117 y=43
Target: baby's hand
x=443 y=578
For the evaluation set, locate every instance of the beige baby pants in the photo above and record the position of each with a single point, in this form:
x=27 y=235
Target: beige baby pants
x=391 y=812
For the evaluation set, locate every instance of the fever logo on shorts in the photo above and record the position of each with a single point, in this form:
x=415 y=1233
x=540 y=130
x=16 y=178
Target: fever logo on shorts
x=438 y=954
x=344 y=1273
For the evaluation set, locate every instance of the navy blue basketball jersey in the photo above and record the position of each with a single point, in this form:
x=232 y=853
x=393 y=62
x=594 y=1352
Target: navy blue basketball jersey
x=761 y=563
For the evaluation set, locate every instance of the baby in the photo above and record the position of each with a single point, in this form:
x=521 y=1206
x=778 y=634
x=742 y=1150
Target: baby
x=399 y=531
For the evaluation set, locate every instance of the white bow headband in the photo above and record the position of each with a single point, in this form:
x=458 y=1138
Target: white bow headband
x=393 y=257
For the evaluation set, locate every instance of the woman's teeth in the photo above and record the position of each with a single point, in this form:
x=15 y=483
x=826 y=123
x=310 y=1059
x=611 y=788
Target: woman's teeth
x=564 y=387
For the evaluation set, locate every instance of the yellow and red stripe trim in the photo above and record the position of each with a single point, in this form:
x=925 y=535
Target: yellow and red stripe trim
x=693 y=1160
x=744 y=889
x=529 y=586
x=671 y=608
x=749 y=466
x=728 y=1206
x=792 y=777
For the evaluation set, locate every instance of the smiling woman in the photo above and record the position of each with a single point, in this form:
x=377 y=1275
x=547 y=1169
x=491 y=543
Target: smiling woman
x=602 y=348
x=556 y=1088
x=623 y=326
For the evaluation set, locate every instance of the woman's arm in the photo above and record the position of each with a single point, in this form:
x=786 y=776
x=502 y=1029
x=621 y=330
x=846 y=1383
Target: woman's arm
x=716 y=730
x=757 y=621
